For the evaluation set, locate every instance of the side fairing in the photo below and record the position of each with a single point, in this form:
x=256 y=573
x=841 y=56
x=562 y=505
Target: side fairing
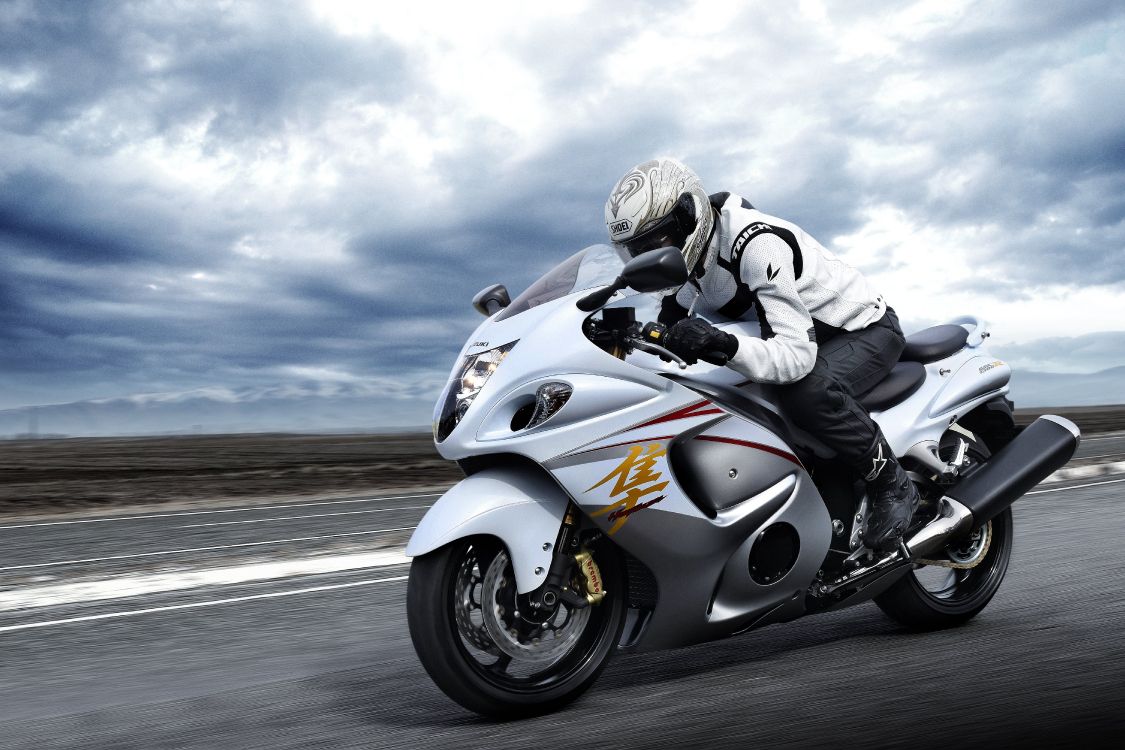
x=641 y=488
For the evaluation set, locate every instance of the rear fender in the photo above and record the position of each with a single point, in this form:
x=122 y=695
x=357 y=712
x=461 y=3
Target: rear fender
x=993 y=421
x=524 y=510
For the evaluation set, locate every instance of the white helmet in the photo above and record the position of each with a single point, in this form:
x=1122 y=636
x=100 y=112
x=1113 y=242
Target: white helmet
x=660 y=203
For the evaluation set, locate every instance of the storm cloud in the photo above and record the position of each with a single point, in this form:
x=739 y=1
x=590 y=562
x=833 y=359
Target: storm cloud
x=247 y=195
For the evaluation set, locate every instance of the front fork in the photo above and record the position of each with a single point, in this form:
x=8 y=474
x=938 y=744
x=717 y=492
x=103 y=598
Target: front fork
x=570 y=552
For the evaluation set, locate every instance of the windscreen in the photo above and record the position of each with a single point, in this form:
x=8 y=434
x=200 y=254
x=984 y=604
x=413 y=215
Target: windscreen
x=596 y=265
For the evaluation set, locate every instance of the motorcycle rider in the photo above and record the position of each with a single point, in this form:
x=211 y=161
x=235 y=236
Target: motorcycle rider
x=827 y=336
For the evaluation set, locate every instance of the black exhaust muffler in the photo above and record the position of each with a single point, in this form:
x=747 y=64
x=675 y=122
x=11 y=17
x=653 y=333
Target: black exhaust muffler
x=1041 y=448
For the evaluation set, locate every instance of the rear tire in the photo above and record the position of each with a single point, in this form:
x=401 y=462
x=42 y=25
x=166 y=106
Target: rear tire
x=918 y=603
x=506 y=688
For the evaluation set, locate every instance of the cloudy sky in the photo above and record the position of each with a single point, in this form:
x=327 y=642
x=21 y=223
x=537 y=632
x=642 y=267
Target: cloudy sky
x=231 y=196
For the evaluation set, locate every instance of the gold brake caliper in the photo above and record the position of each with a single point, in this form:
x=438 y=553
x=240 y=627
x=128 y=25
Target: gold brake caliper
x=591 y=577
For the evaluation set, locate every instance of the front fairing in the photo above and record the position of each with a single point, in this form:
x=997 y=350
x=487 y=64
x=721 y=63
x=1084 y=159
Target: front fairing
x=608 y=393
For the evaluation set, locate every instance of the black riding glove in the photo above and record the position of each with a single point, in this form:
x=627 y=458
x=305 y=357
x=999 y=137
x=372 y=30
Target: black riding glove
x=694 y=339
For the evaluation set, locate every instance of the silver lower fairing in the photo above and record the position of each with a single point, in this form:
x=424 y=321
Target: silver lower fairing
x=705 y=590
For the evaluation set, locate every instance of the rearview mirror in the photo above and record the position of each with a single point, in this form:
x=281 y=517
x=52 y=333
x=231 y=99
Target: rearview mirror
x=491 y=299
x=656 y=270
x=653 y=271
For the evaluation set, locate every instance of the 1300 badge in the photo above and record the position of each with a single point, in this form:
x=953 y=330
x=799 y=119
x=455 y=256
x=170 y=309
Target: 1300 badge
x=985 y=368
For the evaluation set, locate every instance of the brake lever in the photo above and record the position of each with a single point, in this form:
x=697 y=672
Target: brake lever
x=658 y=350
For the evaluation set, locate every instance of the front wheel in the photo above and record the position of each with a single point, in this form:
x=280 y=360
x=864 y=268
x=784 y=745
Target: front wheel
x=464 y=618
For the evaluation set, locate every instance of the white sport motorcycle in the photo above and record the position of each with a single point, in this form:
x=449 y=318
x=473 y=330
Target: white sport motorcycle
x=617 y=499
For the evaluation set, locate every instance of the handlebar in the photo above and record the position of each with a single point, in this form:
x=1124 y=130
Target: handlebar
x=653 y=334
x=623 y=332
x=719 y=359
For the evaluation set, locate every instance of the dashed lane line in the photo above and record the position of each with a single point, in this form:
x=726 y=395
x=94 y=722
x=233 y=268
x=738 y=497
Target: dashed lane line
x=297 y=518
x=217 y=510
x=124 y=587
x=1086 y=471
x=314 y=589
x=1076 y=486
x=201 y=549
x=192 y=605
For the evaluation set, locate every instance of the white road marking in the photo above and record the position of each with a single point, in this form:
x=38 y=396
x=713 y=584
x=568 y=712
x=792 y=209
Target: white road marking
x=138 y=585
x=1086 y=471
x=1076 y=486
x=1117 y=436
x=217 y=510
x=202 y=549
x=295 y=518
x=191 y=605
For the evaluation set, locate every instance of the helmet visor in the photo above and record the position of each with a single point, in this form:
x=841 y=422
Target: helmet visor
x=670 y=231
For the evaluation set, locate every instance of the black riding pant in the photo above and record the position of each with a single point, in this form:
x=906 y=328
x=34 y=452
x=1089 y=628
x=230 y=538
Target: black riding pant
x=848 y=365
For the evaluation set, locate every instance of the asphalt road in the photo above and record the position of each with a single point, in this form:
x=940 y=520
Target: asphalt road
x=325 y=660
x=65 y=548
x=1101 y=448
x=62 y=549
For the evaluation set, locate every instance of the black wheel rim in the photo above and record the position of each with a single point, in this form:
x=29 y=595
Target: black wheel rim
x=500 y=669
x=956 y=590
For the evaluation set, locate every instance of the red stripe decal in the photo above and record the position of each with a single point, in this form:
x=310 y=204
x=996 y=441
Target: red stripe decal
x=687 y=412
x=757 y=446
x=637 y=441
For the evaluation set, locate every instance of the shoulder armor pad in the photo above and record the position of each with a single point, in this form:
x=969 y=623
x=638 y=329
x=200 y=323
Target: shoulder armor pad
x=718 y=200
x=759 y=228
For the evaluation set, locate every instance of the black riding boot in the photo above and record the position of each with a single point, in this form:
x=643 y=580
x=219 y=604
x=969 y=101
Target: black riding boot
x=894 y=498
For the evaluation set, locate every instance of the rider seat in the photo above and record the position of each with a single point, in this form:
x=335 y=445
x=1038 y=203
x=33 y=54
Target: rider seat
x=904 y=380
x=932 y=344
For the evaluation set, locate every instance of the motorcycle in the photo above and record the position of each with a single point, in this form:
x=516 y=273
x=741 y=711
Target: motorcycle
x=616 y=498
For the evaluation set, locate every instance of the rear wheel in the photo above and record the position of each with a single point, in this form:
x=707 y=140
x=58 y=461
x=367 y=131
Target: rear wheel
x=478 y=648
x=955 y=588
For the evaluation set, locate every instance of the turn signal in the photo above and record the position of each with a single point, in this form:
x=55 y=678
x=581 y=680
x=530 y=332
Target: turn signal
x=549 y=399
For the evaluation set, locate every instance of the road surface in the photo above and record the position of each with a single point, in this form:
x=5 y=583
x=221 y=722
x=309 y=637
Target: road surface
x=321 y=657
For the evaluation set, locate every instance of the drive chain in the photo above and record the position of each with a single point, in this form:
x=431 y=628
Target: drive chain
x=977 y=559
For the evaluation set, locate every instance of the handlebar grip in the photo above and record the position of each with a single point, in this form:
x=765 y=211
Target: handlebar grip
x=713 y=357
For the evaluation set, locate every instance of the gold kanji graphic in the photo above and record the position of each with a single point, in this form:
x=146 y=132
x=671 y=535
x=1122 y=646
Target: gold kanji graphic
x=636 y=477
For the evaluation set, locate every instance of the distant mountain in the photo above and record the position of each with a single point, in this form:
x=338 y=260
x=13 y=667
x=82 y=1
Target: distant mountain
x=1065 y=389
x=367 y=407
x=274 y=409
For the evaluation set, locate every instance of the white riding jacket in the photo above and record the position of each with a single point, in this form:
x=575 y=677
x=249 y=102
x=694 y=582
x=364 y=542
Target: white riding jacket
x=798 y=289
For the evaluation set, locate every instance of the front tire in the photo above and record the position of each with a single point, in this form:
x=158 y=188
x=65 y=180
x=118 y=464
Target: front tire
x=457 y=600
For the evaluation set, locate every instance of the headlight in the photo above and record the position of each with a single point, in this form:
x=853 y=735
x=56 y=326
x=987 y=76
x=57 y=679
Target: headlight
x=463 y=387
